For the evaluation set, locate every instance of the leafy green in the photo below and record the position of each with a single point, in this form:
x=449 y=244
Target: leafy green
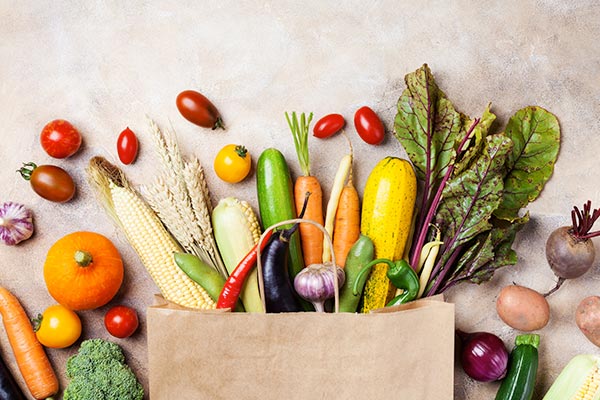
x=427 y=126
x=491 y=250
x=536 y=136
x=474 y=182
x=469 y=199
x=479 y=134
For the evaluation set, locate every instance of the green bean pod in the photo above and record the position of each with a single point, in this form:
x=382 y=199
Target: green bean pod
x=203 y=275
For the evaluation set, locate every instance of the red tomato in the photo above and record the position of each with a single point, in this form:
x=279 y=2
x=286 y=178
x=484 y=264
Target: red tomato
x=127 y=146
x=369 y=126
x=199 y=110
x=328 y=125
x=60 y=139
x=121 y=321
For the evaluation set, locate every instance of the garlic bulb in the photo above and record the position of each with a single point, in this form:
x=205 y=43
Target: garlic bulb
x=315 y=283
x=16 y=223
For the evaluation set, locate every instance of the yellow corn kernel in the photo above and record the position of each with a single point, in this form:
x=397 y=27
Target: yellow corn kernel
x=579 y=380
x=155 y=247
x=589 y=387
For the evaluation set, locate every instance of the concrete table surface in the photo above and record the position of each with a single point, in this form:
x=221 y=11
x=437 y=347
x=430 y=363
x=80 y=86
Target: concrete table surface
x=104 y=66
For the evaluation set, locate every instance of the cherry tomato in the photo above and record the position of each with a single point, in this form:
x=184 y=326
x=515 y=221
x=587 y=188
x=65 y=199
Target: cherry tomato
x=127 y=146
x=199 y=110
x=369 y=126
x=328 y=125
x=58 y=327
x=121 y=321
x=60 y=139
x=49 y=181
x=232 y=163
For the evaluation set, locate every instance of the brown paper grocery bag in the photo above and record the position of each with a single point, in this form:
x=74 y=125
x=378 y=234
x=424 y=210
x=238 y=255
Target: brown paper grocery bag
x=405 y=352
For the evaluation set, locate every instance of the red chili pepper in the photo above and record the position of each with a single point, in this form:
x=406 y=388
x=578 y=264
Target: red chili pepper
x=233 y=286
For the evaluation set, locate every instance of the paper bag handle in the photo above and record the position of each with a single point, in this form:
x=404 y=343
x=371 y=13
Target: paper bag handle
x=261 y=283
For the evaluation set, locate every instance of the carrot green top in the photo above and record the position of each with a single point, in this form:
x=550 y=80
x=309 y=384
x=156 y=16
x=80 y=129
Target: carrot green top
x=300 y=133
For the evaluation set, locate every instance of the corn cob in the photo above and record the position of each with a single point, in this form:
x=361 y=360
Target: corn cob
x=146 y=234
x=579 y=380
x=236 y=231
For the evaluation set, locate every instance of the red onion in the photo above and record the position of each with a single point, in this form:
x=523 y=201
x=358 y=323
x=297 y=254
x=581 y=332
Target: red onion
x=483 y=356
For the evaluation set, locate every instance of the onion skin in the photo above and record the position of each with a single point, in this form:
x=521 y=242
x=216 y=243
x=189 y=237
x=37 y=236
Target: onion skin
x=568 y=256
x=483 y=356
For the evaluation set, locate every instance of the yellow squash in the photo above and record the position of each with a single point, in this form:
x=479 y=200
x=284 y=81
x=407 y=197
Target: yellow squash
x=388 y=206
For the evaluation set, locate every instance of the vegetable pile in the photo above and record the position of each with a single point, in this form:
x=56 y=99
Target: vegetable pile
x=471 y=182
x=446 y=215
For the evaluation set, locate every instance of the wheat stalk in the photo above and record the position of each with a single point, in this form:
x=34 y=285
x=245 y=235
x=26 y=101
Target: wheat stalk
x=201 y=205
x=181 y=199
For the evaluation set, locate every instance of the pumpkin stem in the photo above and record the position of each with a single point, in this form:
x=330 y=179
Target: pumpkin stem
x=83 y=258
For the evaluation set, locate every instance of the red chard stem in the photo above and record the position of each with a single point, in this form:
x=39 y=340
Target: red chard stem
x=443 y=271
x=424 y=225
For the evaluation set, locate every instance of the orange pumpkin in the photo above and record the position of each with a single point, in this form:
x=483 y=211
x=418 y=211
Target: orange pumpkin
x=83 y=270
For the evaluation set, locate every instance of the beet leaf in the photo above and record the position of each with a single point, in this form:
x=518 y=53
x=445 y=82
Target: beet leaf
x=473 y=182
x=536 y=136
x=468 y=202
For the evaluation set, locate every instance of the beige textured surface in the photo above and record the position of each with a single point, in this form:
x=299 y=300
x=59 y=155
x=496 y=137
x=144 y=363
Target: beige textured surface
x=104 y=66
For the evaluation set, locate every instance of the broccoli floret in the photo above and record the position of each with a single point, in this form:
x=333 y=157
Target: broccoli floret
x=101 y=349
x=93 y=353
x=79 y=388
x=98 y=372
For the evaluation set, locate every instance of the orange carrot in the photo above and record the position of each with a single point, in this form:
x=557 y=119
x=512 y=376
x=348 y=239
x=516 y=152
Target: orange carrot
x=310 y=236
x=347 y=222
x=29 y=353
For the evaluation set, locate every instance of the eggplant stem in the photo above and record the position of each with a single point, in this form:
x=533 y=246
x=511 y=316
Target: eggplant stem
x=558 y=285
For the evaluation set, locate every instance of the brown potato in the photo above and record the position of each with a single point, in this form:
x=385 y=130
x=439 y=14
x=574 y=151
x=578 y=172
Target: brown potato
x=587 y=318
x=522 y=308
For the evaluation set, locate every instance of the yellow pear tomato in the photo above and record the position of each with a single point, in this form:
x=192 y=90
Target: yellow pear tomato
x=232 y=163
x=58 y=327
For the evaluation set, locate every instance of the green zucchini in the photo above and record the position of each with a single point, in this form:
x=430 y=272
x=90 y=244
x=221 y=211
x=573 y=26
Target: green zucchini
x=276 y=200
x=360 y=254
x=522 y=369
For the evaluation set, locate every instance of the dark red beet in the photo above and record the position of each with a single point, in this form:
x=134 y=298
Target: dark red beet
x=569 y=250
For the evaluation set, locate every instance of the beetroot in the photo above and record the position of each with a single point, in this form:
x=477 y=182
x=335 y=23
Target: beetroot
x=569 y=250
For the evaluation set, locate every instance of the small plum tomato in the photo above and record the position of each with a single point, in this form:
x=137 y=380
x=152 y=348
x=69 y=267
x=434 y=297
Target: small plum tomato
x=127 y=146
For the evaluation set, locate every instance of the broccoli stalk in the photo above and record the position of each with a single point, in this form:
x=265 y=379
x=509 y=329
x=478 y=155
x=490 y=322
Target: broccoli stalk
x=98 y=372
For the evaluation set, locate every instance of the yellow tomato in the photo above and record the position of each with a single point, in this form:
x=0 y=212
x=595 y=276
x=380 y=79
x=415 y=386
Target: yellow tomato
x=232 y=163
x=58 y=327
